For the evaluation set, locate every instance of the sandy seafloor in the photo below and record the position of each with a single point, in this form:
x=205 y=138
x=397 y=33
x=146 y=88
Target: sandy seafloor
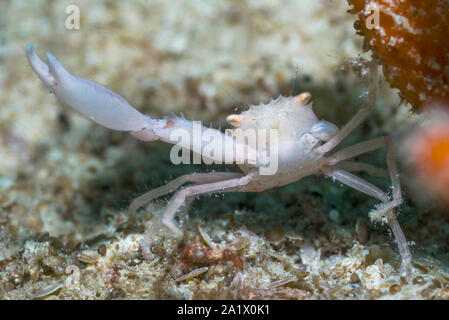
x=66 y=183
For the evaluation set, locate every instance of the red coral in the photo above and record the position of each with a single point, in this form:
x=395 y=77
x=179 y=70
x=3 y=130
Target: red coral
x=411 y=42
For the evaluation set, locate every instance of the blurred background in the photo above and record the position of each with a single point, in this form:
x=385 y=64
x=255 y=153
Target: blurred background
x=64 y=177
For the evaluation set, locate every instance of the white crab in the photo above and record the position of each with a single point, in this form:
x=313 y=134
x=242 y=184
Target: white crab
x=302 y=141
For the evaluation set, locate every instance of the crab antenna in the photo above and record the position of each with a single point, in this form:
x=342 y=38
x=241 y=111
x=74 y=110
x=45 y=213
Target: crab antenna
x=87 y=97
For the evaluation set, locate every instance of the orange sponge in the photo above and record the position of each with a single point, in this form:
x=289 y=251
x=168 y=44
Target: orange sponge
x=411 y=41
x=427 y=150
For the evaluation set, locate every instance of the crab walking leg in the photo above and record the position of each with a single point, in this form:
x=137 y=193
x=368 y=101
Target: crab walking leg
x=357 y=149
x=352 y=166
x=180 y=197
x=355 y=182
x=200 y=178
x=112 y=111
x=360 y=116
x=397 y=200
x=373 y=171
x=363 y=186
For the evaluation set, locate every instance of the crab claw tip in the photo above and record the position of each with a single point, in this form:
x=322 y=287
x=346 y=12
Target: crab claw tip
x=38 y=66
x=89 y=98
x=56 y=69
x=30 y=48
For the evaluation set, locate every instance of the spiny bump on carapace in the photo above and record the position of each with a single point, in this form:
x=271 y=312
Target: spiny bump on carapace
x=288 y=114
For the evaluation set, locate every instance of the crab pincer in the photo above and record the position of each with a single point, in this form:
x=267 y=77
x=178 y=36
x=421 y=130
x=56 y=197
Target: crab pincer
x=110 y=110
x=92 y=100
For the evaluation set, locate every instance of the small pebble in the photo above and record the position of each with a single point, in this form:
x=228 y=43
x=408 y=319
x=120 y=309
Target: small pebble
x=395 y=288
x=276 y=234
x=87 y=256
x=45 y=291
x=354 y=278
x=362 y=230
x=193 y=274
x=419 y=280
x=102 y=250
x=436 y=283
x=334 y=215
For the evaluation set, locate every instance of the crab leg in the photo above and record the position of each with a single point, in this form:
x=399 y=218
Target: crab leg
x=361 y=166
x=360 y=116
x=387 y=209
x=197 y=178
x=397 y=200
x=357 y=149
x=110 y=110
x=364 y=186
x=180 y=197
x=356 y=183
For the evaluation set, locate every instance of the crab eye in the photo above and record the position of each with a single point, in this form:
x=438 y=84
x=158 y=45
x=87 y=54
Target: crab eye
x=324 y=130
